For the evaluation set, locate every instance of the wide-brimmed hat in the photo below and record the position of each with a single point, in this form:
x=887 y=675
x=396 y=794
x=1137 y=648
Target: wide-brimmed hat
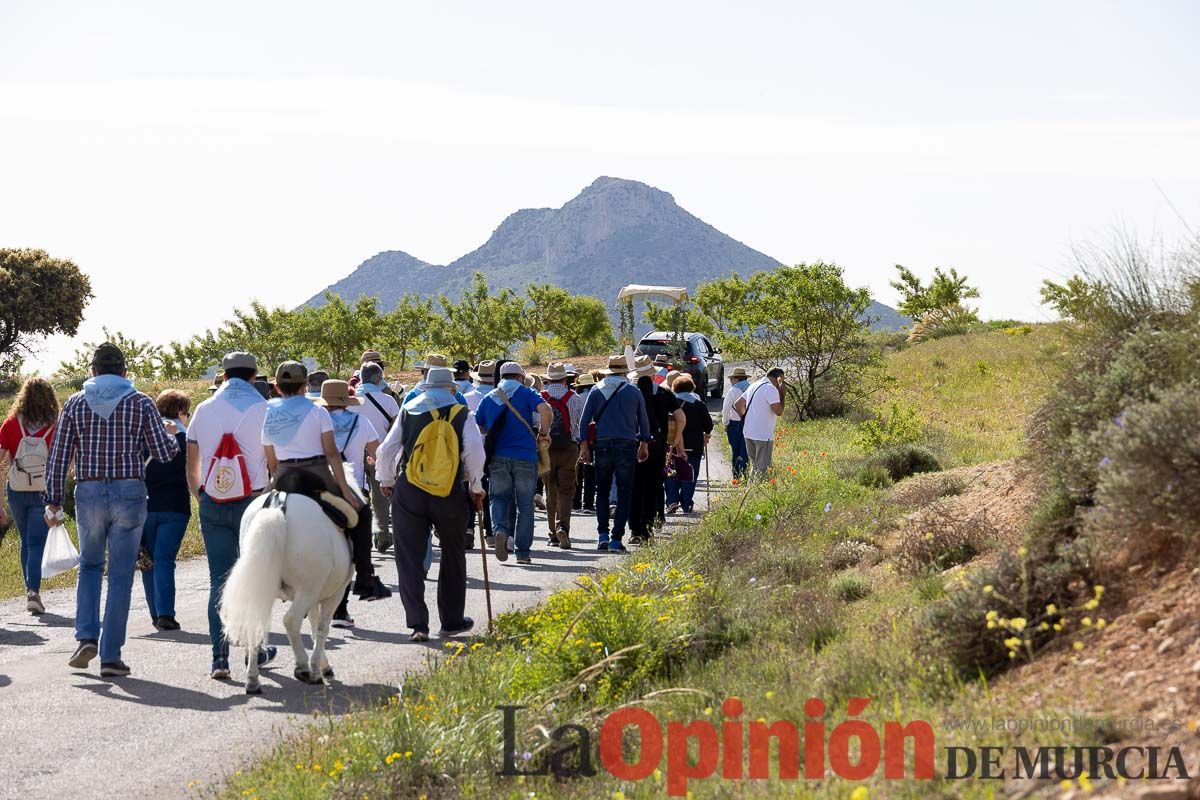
x=739 y=372
x=642 y=366
x=439 y=376
x=239 y=360
x=617 y=365
x=661 y=360
x=372 y=356
x=291 y=372
x=585 y=379
x=485 y=372
x=511 y=368
x=336 y=394
x=571 y=368
x=432 y=360
x=556 y=372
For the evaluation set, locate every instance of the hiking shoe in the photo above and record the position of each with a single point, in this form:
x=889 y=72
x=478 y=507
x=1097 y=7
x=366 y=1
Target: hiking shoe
x=84 y=654
x=564 y=540
x=371 y=588
x=33 y=604
x=490 y=541
x=467 y=624
x=671 y=509
x=165 y=623
x=615 y=546
x=114 y=669
x=220 y=669
x=418 y=636
x=343 y=620
x=602 y=544
x=500 y=547
x=524 y=560
x=636 y=539
x=265 y=656
x=553 y=540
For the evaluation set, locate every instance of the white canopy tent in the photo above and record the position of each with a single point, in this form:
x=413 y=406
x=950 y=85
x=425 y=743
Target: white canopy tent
x=637 y=290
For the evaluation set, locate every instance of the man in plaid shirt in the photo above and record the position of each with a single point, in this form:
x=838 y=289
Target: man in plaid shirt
x=109 y=429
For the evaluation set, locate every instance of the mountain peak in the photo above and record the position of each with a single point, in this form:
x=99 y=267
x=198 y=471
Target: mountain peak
x=605 y=184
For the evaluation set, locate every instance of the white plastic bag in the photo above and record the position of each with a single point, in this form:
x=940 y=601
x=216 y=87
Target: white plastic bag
x=60 y=554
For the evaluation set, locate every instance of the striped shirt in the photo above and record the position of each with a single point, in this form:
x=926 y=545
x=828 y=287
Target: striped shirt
x=106 y=449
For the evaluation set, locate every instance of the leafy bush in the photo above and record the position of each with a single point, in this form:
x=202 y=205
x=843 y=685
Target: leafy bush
x=1149 y=478
x=875 y=476
x=901 y=425
x=944 y=539
x=905 y=460
x=850 y=587
x=951 y=320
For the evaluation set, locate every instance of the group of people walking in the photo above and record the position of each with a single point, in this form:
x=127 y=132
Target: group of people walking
x=464 y=446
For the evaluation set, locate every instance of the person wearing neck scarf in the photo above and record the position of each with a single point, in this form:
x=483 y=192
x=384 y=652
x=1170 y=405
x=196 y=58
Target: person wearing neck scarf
x=382 y=409
x=168 y=511
x=696 y=433
x=110 y=430
x=466 y=387
x=731 y=420
x=667 y=423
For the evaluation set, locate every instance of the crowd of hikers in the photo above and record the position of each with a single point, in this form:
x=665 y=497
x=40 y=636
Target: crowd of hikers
x=467 y=448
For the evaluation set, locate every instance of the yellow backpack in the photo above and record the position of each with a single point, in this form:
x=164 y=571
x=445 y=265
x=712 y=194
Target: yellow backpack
x=433 y=464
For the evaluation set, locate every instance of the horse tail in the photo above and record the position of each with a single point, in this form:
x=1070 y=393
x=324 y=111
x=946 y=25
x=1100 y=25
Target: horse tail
x=254 y=583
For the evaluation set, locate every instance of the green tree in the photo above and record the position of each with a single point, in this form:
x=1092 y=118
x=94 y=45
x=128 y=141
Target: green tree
x=268 y=333
x=407 y=327
x=480 y=323
x=721 y=301
x=945 y=289
x=683 y=316
x=336 y=333
x=1077 y=299
x=806 y=320
x=39 y=296
x=184 y=360
x=142 y=359
x=544 y=310
x=585 y=327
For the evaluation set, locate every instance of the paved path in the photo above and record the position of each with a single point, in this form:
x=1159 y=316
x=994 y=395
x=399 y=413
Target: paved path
x=67 y=732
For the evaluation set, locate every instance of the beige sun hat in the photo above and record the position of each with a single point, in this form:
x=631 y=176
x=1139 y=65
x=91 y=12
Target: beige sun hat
x=485 y=373
x=739 y=372
x=585 y=379
x=336 y=394
x=432 y=360
x=556 y=372
x=642 y=367
x=617 y=365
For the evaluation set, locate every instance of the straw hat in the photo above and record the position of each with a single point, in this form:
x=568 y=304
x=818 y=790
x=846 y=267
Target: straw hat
x=585 y=379
x=617 y=365
x=432 y=360
x=372 y=356
x=739 y=372
x=336 y=394
x=556 y=372
x=485 y=373
x=661 y=360
x=642 y=367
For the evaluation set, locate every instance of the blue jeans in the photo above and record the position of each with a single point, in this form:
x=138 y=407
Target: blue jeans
x=161 y=536
x=683 y=492
x=220 y=525
x=29 y=515
x=513 y=480
x=110 y=515
x=737 y=444
x=615 y=462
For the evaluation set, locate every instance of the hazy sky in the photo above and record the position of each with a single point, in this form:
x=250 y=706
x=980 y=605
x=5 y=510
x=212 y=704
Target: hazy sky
x=192 y=157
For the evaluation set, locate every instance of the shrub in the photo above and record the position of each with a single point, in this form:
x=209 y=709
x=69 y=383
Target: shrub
x=901 y=425
x=850 y=587
x=942 y=539
x=951 y=320
x=850 y=553
x=957 y=626
x=874 y=476
x=903 y=461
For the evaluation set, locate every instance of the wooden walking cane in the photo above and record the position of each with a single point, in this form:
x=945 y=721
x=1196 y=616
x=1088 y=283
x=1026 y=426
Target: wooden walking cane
x=707 y=481
x=487 y=586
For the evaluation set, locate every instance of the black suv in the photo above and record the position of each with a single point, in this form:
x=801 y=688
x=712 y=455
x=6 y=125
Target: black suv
x=702 y=359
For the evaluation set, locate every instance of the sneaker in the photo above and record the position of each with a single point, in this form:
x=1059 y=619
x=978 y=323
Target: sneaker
x=500 y=546
x=564 y=540
x=524 y=560
x=671 y=509
x=467 y=624
x=512 y=544
x=84 y=654
x=33 y=603
x=165 y=623
x=418 y=636
x=490 y=541
x=220 y=669
x=114 y=669
x=615 y=546
x=602 y=544
x=636 y=539
x=553 y=541
x=265 y=656
x=342 y=621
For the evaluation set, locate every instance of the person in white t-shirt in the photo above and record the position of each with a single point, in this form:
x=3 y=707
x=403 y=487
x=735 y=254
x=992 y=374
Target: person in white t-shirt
x=237 y=408
x=731 y=421
x=381 y=408
x=760 y=407
x=356 y=441
x=297 y=436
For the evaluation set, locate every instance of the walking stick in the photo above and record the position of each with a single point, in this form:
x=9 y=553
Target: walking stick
x=707 y=481
x=487 y=586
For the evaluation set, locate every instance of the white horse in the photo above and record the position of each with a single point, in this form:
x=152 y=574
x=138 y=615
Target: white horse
x=294 y=554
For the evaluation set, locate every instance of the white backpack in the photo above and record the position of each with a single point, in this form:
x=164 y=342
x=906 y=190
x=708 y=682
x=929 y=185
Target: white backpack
x=28 y=470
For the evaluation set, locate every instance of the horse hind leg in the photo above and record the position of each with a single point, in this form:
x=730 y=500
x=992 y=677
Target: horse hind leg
x=321 y=620
x=252 y=684
x=300 y=608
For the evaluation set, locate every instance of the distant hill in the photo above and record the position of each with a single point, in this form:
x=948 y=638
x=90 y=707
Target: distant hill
x=615 y=232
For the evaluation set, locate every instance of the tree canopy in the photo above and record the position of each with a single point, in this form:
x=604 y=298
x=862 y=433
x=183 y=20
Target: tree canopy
x=944 y=289
x=39 y=296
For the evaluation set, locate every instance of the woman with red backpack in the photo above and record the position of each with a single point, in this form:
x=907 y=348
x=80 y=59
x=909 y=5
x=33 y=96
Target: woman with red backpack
x=25 y=439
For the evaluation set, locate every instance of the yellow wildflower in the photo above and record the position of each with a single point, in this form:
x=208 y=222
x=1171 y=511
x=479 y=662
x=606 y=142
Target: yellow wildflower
x=1078 y=645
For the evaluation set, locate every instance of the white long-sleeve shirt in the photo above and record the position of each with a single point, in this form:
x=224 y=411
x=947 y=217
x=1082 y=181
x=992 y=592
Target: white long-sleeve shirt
x=728 y=413
x=387 y=458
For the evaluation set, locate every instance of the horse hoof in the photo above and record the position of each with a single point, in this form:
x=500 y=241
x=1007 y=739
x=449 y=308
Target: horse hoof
x=255 y=689
x=304 y=676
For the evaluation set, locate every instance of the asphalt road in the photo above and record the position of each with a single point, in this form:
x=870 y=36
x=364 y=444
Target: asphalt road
x=169 y=728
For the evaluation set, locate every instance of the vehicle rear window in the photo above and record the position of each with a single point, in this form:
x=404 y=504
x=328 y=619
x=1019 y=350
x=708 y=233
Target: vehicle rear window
x=652 y=347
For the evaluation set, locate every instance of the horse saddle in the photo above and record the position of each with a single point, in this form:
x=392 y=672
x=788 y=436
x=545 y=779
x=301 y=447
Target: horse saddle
x=340 y=512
